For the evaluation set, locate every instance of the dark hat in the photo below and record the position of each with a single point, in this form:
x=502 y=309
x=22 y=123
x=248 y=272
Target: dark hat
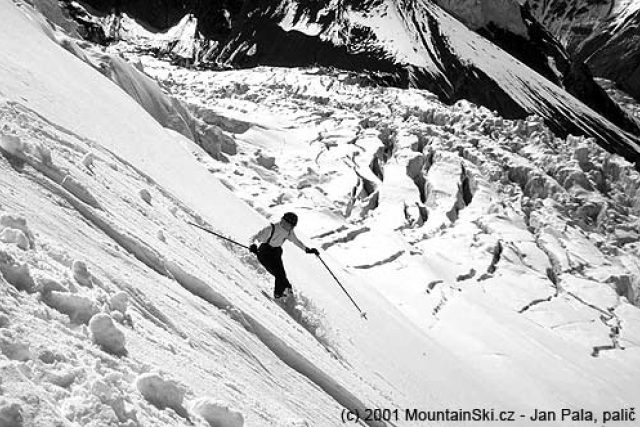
x=291 y=218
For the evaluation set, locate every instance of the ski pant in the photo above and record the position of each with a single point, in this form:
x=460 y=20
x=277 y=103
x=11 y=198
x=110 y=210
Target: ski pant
x=271 y=259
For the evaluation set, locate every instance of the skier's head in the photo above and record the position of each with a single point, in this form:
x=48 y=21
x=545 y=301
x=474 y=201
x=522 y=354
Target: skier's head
x=289 y=219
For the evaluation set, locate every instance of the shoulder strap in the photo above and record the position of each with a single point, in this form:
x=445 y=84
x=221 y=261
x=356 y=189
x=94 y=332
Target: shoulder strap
x=273 y=229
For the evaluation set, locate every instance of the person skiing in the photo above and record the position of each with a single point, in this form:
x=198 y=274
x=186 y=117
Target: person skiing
x=269 y=252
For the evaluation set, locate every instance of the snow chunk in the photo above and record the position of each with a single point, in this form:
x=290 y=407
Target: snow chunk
x=215 y=142
x=46 y=285
x=18 y=223
x=117 y=316
x=105 y=334
x=62 y=377
x=50 y=357
x=15 y=273
x=14 y=350
x=87 y=160
x=12 y=144
x=12 y=235
x=4 y=321
x=10 y=414
x=119 y=302
x=581 y=153
x=109 y=393
x=161 y=393
x=44 y=154
x=223 y=121
x=145 y=195
x=81 y=274
x=217 y=413
x=570 y=175
x=80 y=191
x=267 y=162
x=79 y=309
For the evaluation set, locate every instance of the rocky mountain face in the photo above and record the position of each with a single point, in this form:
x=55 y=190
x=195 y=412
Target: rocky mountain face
x=215 y=17
x=603 y=34
x=612 y=51
x=513 y=27
x=418 y=43
x=571 y=22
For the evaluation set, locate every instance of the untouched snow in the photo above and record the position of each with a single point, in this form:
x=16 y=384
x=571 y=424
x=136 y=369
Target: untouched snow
x=494 y=271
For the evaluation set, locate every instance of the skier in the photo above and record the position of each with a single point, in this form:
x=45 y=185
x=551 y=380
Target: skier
x=269 y=252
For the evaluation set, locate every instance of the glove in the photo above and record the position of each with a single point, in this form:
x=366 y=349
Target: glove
x=312 y=251
x=253 y=249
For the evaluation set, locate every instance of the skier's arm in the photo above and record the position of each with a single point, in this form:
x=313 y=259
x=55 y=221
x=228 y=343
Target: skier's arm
x=262 y=235
x=294 y=239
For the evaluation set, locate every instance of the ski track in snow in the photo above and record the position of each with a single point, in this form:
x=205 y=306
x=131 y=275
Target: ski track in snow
x=561 y=194
x=157 y=262
x=463 y=235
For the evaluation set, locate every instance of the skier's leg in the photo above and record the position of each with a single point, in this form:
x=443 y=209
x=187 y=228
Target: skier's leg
x=267 y=258
x=282 y=283
x=271 y=260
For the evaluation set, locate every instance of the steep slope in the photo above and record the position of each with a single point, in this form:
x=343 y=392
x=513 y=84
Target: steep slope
x=603 y=34
x=77 y=153
x=489 y=234
x=415 y=44
x=88 y=175
x=513 y=27
x=612 y=50
x=571 y=22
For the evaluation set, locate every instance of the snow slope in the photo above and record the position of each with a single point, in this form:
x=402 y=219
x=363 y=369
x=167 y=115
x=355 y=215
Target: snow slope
x=381 y=176
x=88 y=175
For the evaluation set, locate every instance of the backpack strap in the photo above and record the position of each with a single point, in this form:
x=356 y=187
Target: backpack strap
x=273 y=229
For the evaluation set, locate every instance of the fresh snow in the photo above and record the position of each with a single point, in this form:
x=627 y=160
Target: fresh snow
x=494 y=270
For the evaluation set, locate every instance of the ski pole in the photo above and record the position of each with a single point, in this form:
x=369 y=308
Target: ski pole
x=217 y=235
x=362 y=314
